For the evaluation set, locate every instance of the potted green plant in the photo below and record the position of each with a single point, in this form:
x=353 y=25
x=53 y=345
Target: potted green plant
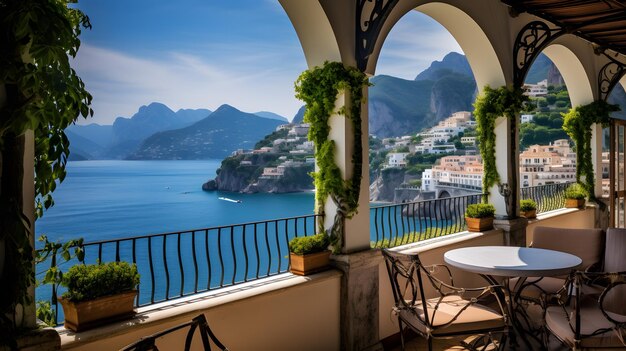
x=528 y=208
x=98 y=294
x=479 y=217
x=309 y=254
x=575 y=196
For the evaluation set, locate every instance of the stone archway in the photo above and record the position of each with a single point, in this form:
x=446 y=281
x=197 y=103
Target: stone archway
x=443 y=194
x=475 y=43
x=314 y=30
x=574 y=74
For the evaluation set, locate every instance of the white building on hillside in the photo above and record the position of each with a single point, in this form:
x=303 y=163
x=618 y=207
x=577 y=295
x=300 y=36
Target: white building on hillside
x=535 y=90
x=397 y=159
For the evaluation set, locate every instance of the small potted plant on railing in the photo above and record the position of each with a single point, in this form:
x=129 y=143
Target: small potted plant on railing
x=479 y=217
x=528 y=208
x=575 y=196
x=98 y=294
x=309 y=254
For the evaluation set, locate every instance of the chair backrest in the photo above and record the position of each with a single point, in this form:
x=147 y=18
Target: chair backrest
x=405 y=277
x=615 y=261
x=588 y=244
x=199 y=323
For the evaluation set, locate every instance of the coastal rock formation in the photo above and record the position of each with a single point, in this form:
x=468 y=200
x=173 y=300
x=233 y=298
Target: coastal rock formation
x=384 y=186
x=244 y=174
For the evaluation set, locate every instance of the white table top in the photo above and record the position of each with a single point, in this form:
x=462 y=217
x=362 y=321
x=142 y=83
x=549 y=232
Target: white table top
x=510 y=261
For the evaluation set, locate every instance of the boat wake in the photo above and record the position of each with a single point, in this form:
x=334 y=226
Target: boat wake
x=229 y=200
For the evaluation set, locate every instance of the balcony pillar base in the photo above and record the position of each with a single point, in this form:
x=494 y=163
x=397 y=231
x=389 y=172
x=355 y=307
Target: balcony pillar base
x=602 y=214
x=44 y=339
x=359 y=300
x=514 y=230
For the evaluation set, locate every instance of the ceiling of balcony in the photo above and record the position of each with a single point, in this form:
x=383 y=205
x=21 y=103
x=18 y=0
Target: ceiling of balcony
x=602 y=22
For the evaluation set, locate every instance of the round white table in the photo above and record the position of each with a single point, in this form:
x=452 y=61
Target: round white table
x=510 y=261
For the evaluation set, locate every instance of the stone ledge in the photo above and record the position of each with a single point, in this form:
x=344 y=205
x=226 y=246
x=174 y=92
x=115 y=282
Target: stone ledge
x=445 y=240
x=188 y=307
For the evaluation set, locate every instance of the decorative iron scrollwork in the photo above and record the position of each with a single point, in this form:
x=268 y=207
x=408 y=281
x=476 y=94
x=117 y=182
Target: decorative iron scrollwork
x=371 y=15
x=609 y=76
x=530 y=41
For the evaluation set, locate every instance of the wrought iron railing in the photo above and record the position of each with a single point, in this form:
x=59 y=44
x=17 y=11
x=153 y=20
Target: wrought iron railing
x=548 y=197
x=399 y=224
x=178 y=264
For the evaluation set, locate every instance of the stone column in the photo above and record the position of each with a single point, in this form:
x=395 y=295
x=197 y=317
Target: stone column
x=358 y=262
x=357 y=229
x=359 y=300
x=514 y=230
x=507 y=163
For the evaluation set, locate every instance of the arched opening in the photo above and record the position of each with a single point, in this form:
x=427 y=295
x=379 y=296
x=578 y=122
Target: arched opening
x=398 y=108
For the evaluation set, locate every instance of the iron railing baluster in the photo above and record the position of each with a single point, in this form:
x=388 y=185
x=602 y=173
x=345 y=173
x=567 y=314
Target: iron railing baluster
x=195 y=261
x=165 y=266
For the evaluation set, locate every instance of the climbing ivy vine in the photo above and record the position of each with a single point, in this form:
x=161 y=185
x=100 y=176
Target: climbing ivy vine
x=489 y=105
x=44 y=94
x=318 y=88
x=577 y=124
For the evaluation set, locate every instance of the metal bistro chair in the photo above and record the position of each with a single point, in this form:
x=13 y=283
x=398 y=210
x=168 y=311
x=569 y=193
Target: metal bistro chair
x=588 y=244
x=590 y=320
x=148 y=343
x=455 y=311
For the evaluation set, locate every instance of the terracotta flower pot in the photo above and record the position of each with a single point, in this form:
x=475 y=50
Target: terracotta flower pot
x=309 y=263
x=529 y=214
x=89 y=314
x=574 y=203
x=479 y=224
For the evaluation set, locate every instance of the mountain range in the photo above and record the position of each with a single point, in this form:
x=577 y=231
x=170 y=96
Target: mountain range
x=216 y=136
x=123 y=139
x=396 y=107
x=400 y=106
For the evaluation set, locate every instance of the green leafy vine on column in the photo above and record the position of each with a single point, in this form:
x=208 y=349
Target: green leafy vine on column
x=489 y=105
x=577 y=124
x=319 y=88
x=43 y=94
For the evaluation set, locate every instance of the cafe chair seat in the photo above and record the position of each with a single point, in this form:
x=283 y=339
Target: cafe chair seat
x=591 y=321
x=454 y=314
x=453 y=311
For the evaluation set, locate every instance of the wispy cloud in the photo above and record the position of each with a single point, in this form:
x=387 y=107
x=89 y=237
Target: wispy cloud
x=121 y=83
x=252 y=68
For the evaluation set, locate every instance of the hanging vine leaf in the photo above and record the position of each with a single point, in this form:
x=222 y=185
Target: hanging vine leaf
x=577 y=124
x=489 y=105
x=319 y=88
x=44 y=94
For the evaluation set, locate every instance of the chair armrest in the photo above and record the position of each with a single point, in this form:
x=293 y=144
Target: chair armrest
x=445 y=288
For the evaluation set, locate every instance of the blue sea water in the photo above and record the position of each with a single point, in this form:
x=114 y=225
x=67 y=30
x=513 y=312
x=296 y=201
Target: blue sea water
x=113 y=199
x=102 y=200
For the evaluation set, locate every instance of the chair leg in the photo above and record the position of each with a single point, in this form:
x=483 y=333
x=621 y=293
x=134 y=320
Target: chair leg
x=503 y=340
x=430 y=343
x=401 y=334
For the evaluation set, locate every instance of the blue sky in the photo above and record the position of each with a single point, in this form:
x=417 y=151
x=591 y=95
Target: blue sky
x=204 y=53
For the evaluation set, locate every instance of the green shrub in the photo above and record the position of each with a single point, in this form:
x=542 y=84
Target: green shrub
x=480 y=211
x=309 y=244
x=88 y=282
x=575 y=191
x=527 y=205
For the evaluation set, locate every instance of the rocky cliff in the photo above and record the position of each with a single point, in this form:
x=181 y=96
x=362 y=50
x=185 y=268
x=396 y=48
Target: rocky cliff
x=244 y=178
x=383 y=187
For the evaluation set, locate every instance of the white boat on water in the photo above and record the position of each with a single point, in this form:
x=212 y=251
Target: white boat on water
x=229 y=200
